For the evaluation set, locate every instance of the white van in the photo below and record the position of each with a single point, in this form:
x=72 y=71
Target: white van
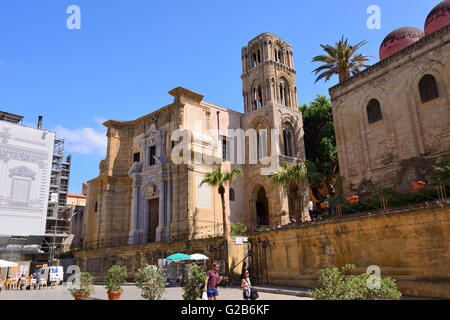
x=52 y=274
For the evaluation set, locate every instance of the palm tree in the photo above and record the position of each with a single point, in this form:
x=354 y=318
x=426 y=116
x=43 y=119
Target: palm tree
x=341 y=59
x=217 y=178
x=441 y=176
x=291 y=174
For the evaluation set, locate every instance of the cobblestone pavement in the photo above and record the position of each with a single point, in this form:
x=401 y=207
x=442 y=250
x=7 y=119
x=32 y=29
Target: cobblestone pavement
x=130 y=293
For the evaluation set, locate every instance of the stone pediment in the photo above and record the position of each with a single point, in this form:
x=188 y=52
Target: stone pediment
x=22 y=171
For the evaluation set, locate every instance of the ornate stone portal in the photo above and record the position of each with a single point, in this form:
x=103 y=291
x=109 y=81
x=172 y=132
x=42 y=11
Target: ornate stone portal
x=151 y=181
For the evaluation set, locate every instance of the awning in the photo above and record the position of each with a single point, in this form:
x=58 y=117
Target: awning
x=198 y=256
x=7 y=264
x=179 y=256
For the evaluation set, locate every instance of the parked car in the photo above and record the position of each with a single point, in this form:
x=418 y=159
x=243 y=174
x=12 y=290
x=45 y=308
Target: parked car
x=52 y=274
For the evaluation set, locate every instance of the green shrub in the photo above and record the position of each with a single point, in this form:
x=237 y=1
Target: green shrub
x=263 y=229
x=115 y=277
x=335 y=286
x=323 y=215
x=238 y=229
x=152 y=282
x=196 y=280
x=82 y=284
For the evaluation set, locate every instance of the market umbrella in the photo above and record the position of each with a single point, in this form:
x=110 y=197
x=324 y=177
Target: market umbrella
x=179 y=256
x=7 y=264
x=198 y=256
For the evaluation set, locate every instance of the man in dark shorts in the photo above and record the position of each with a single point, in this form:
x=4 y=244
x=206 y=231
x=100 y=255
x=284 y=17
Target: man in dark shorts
x=211 y=282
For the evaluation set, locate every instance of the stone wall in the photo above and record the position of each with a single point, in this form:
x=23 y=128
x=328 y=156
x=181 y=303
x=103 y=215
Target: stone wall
x=411 y=247
x=97 y=261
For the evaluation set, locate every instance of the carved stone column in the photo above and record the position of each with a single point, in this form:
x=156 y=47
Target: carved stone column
x=135 y=233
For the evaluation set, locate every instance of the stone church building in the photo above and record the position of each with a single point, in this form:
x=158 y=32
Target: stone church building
x=141 y=195
x=392 y=120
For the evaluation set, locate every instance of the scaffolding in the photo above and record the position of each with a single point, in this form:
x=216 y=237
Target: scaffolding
x=59 y=215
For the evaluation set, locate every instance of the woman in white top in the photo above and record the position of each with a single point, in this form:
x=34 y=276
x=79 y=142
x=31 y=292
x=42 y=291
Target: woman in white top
x=246 y=286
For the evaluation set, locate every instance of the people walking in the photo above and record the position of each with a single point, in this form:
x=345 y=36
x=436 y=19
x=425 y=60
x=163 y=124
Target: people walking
x=246 y=285
x=311 y=209
x=329 y=208
x=211 y=282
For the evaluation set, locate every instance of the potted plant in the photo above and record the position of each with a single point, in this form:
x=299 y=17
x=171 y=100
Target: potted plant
x=324 y=205
x=82 y=287
x=196 y=280
x=151 y=281
x=353 y=199
x=114 y=279
x=417 y=186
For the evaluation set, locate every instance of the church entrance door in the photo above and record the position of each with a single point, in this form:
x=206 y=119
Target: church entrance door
x=262 y=206
x=153 y=218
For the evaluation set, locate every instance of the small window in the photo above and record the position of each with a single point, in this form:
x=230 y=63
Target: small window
x=96 y=206
x=226 y=149
x=374 y=111
x=152 y=155
x=287 y=137
x=428 y=88
x=137 y=157
x=232 y=198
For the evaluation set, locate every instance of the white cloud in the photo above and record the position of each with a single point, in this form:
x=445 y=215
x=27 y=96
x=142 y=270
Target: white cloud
x=82 y=140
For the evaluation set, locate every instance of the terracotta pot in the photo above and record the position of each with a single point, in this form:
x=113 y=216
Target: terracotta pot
x=114 y=295
x=80 y=296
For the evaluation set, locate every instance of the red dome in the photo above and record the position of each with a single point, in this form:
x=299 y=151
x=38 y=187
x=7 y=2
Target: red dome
x=399 y=39
x=438 y=18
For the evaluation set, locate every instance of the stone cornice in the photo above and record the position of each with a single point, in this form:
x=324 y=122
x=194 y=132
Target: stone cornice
x=269 y=62
x=180 y=91
x=117 y=124
x=335 y=91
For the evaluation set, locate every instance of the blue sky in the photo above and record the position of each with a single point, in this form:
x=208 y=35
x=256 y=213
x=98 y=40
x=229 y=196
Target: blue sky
x=129 y=54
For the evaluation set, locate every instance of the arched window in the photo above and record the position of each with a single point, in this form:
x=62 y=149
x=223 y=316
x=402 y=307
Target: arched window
x=259 y=98
x=232 y=198
x=287 y=143
x=259 y=56
x=374 y=111
x=254 y=99
x=261 y=143
x=284 y=93
x=428 y=88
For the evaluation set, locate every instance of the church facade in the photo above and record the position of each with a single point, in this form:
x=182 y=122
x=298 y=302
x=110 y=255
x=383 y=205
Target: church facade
x=145 y=194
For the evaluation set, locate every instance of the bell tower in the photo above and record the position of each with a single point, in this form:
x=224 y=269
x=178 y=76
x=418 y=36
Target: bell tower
x=270 y=102
x=268 y=75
